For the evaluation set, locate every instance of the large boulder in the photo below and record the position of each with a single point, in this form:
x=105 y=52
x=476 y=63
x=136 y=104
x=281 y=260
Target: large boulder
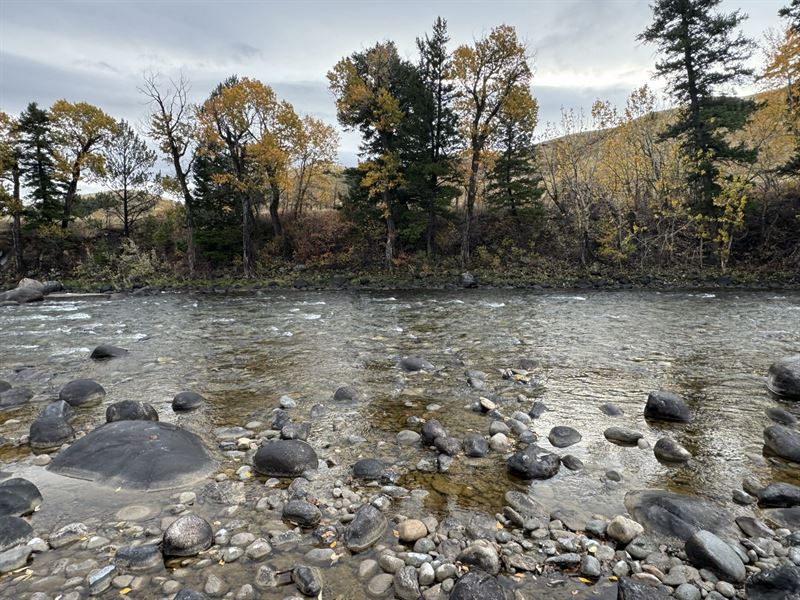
x=187 y=536
x=59 y=409
x=367 y=527
x=31 y=284
x=783 y=442
x=22 y=295
x=782 y=583
x=706 y=550
x=534 y=463
x=285 y=458
x=50 y=433
x=18 y=497
x=666 y=406
x=131 y=410
x=51 y=287
x=81 y=393
x=621 y=435
x=676 y=516
x=477 y=585
x=187 y=401
x=779 y=495
x=783 y=378
x=15 y=397
x=107 y=351
x=138 y=559
x=139 y=455
x=13 y=532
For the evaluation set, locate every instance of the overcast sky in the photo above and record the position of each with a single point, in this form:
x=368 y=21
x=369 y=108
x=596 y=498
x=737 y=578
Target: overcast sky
x=98 y=51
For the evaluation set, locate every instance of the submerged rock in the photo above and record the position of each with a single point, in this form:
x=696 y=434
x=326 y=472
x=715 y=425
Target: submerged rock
x=475 y=445
x=187 y=536
x=783 y=442
x=131 y=410
x=620 y=435
x=611 y=410
x=676 y=516
x=59 y=409
x=630 y=589
x=49 y=433
x=666 y=406
x=779 y=495
x=18 y=497
x=82 y=393
x=781 y=417
x=140 y=455
x=138 y=559
x=534 y=463
x=414 y=363
x=15 y=397
x=368 y=469
x=431 y=430
x=783 y=378
x=187 y=401
x=366 y=528
x=346 y=394
x=285 y=458
x=107 y=351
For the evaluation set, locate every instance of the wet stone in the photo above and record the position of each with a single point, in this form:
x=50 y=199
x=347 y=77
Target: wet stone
x=285 y=458
x=107 y=351
x=534 y=463
x=620 y=435
x=368 y=469
x=308 y=580
x=475 y=445
x=138 y=559
x=366 y=528
x=301 y=513
x=14 y=531
x=187 y=536
x=14 y=559
x=131 y=410
x=666 y=406
x=81 y=393
x=563 y=436
x=185 y=401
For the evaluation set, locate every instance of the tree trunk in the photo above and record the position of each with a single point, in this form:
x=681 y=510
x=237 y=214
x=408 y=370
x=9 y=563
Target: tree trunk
x=16 y=226
x=70 y=195
x=247 y=236
x=430 y=232
x=125 y=217
x=472 y=190
x=391 y=230
x=274 y=204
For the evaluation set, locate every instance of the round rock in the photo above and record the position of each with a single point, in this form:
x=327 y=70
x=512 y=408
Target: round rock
x=475 y=445
x=187 y=536
x=366 y=528
x=414 y=363
x=131 y=410
x=301 y=513
x=107 y=351
x=139 y=455
x=534 y=463
x=666 y=406
x=187 y=401
x=477 y=585
x=49 y=433
x=668 y=450
x=82 y=393
x=14 y=531
x=346 y=394
x=783 y=378
x=783 y=442
x=18 y=497
x=620 y=435
x=138 y=559
x=285 y=458
x=368 y=469
x=563 y=436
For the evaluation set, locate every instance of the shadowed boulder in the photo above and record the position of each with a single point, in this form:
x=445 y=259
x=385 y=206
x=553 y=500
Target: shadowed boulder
x=22 y=295
x=18 y=497
x=187 y=536
x=131 y=410
x=107 y=351
x=534 y=463
x=783 y=378
x=139 y=455
x=346 y=394
x=414 y=363
x=187 y=401
x=783 y=442
x=82 y=393
x=477 y=585
x=666 y=406
x=285 y=458
x=14 y=531
x=15 y=397
x=676 y=516
x=49 y=433
x=366 y=528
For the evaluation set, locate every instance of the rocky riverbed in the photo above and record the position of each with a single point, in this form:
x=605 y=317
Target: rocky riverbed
x=461 y=445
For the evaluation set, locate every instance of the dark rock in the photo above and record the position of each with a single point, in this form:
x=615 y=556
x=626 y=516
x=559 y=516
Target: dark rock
x=346 y=394
x=572 y=462
x=414 y=363
x=753 y=527
x=82 y=393
x=477 y=585
x=666 y=406
x=534 y=463
x=107 y=351
x=18 y=497
x=296 y=431
x=190 y=595
x=308 y=580
x=706 y=550
x=783 y=442
x=629 y=589
x=431 y=430
x=285 y=458
x=781 y=417
x=187 y=401
x=15 y=397
x=279 y=419
x=482 y=556
x=138 y=559
x=537 y=410
x=779 y=495
x=48 y=433
x=368 y=469
x=22 y=295
x=611 y=410
x=366 y=528
x=676 y=516
x=140 y=455
x=563 y=436
x=14 y=531
x=475 y=445
x=783 y=378
x=620 y=435
x=4 y=386
x=447 y=445
x=301 y=513
x=782 y=583
x=131 y=410
x=187 y=536
x=60 y=410
x=669 y=450
x=51 y=287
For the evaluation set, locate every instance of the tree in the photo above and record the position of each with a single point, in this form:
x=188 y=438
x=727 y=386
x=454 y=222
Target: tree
x=244 y=117
x=486 y=74
x=368 y=87
x=171 y=123
x=11 y=202
x=316 y=150
x=79 y=132
x=37 y=162
x=430 y=130
x=514 y=179
x=129 y=175
x=792 y=13
x=702 y=55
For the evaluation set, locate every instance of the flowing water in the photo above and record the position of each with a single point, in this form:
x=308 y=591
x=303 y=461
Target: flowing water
x=243 y=352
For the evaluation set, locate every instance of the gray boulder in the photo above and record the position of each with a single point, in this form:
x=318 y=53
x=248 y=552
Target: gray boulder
x=563 y=436
x=138 y=559
x=668 y=450
x=18 y=497
x=782 y=583
x=187 y=536
x=50 y=433
x=706 y=550
x=783 y=378
x=779 y=495
x=187 y=401
x=107 y=351
x=15 y=397
x=346 y=394
x=414 y=363
x=477 y=585
x=131 y=410
x=666 y=406
x=534 y=463
x=22 y=295
x=676 y=516
x=82 y=393
x=366 y=528
x=630 y=589
x=620 y=435
x=285 y=458
x=783 y=442
x=13 y=532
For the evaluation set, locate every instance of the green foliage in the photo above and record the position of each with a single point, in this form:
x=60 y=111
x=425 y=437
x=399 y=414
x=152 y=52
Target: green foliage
x=38 y=165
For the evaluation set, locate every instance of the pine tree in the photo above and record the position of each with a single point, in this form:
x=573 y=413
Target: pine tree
x=514 y=180
x=37 y=163
x=702 y=55
x=792 y=13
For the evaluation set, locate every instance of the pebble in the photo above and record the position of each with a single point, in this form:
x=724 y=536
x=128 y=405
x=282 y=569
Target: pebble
x=411 y=530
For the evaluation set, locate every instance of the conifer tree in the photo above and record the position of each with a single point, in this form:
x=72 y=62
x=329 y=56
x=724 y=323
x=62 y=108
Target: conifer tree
x=37 y=163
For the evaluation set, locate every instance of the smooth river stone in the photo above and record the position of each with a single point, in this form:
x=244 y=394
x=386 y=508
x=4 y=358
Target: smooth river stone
x=666 y=406
x=137 y=455
x=366 y=528
x=285 y=458
x=18 y=497
x=82 y=393
x=783 y=378
x=131 y=410
x=676 y=516
x=14 y=531
x=187 y=401
x=783 y=442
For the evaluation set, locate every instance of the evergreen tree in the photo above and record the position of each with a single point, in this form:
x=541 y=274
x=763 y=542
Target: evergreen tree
x=429 y=134
x=792 y=13
x=37 y=163
x=514 y=180
x=703 y=54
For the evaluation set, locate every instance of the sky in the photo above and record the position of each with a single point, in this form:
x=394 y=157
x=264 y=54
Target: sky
x=98 y=51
